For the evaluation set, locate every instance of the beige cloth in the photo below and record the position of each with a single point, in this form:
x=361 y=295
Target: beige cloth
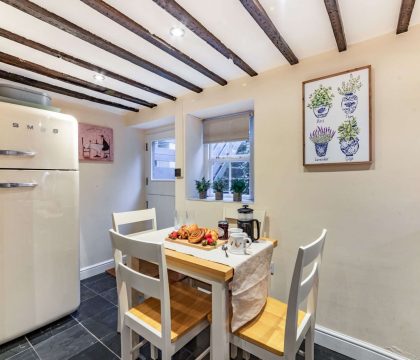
x=250 y=287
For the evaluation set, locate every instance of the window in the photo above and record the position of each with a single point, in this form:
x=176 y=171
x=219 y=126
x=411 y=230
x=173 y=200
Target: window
x=228 y=161
x=228 y=151
x=163 y=160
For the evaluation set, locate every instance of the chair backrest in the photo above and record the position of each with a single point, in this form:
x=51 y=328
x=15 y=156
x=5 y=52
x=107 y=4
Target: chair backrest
x=128 y=278
x=131 y=217
x=301 y=290
x=231 y=215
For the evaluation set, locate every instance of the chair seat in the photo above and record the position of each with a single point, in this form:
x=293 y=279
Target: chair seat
x=189 y=307
x=267 y=330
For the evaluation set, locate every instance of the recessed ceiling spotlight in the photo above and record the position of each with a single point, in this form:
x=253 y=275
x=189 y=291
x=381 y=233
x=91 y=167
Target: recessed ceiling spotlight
x=99 y=77
x=177 y=31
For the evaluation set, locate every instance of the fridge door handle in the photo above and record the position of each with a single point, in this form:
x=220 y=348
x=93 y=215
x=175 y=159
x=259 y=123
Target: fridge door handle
x=17 y=153
x=17 y=185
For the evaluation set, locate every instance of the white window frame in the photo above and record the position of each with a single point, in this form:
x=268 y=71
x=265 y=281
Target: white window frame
x=208 y=162
x=151 y=158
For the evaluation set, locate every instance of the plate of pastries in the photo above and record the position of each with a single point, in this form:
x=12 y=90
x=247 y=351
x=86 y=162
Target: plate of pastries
x=195 y=235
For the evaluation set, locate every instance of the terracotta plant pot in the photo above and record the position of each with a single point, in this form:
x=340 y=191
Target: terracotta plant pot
x=203 y=195
x=219 y=195
x=237 y=197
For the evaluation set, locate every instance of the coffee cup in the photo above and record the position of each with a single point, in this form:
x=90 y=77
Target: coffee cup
x=239 y=242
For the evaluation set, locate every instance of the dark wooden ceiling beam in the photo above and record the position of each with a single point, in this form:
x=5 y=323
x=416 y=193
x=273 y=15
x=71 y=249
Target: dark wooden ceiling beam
x=126 y=22
x=406 y=10
x=57 y=89
x=97 y=69
x=333 y=10
x=75 y=30
x=41 y=70
x=178 y=12
x=261 y=17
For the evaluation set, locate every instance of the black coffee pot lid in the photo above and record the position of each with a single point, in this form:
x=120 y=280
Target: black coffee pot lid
x=245 y=210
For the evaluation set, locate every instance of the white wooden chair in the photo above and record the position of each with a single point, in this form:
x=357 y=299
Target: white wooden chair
x=279 y=330
x=231 y=215
x=171 y=315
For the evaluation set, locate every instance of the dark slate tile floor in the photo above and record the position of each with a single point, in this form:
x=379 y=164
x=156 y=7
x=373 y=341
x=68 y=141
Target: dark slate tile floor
x=90 y=332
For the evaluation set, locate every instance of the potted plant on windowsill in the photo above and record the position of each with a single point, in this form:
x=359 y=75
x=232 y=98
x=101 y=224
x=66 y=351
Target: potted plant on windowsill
x=238 y=187
x=202 y=186
x=218 y=187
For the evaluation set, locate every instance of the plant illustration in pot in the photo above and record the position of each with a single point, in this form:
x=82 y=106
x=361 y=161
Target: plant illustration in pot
x=347 y=136
x=321 y=136
x=348 y=90
x=202 y=186
x=321 y=101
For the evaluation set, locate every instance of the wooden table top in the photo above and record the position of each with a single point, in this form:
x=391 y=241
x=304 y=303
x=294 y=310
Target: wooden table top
x=207 y=268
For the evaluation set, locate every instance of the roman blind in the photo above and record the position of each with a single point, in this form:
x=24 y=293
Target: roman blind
x=233 y=127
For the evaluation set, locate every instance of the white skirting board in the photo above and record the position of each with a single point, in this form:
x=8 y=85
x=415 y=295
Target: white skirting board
x=330 y=339
x=96 y=269
x=351 y=347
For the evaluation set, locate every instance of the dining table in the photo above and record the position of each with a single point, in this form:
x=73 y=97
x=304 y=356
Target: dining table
x=217 y=275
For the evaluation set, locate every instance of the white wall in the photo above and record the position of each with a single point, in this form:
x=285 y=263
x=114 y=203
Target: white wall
x=370 y=286
x=107 y=187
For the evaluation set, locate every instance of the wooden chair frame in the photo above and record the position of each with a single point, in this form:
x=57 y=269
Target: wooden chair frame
x=301 y=290
x=155 y=287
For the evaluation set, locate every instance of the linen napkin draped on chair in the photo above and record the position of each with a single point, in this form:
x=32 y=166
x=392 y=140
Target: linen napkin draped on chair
x=251 y=276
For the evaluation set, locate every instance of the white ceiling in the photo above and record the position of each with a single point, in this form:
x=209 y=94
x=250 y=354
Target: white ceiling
x=304 y=24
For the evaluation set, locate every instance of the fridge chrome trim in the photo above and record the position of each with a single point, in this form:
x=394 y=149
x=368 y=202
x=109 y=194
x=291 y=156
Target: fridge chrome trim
x=10 y=185
x=17 y=153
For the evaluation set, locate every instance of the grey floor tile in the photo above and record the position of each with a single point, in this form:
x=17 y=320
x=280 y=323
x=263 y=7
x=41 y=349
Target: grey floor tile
x=91 y=307
x=111 y=295
x=13 y=347
x=86 y=293
x=102 y=285
x=65 y=344
x=103 y=323
x=113 y=342
x=94 y=278
x=95 y=352
x=26 y=355
x=37 y=336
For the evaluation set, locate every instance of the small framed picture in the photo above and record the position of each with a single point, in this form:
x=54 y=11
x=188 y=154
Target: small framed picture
x=337 y=124
x=96 y=143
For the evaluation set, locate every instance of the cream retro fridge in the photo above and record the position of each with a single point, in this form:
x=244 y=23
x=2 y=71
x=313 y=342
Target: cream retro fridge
x=39 y=219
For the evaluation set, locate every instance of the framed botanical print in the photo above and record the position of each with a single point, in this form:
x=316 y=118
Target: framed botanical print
x=337 y=124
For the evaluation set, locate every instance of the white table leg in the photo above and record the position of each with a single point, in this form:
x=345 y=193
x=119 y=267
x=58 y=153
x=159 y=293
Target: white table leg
x=220 y=322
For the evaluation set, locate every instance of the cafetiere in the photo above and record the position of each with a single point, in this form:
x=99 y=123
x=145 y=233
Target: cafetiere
x=246 y=222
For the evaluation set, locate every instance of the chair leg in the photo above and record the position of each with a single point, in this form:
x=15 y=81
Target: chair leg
x=233 y=351
x=246 y=355
x=154 y=352
x=126 y=341
x=166 y=355
x=309 y=345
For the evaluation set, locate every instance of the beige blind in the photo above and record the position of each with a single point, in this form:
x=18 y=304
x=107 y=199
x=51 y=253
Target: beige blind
x=233 y=127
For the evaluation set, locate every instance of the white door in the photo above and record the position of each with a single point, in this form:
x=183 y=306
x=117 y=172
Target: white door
x=160 y=176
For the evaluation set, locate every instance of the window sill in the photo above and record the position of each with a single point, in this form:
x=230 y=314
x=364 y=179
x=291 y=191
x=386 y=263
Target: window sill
x=227 y=200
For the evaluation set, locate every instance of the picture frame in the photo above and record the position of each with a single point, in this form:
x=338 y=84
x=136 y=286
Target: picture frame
x=96 y=143
x=337 y=118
